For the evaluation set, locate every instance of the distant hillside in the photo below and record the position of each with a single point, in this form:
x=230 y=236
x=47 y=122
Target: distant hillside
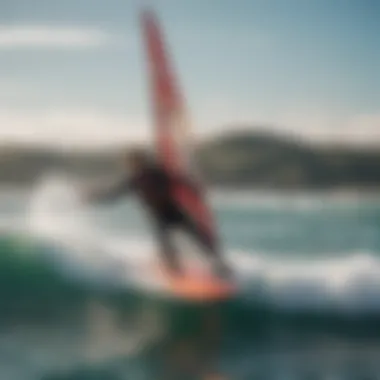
x=265 y=161
x=233 y=160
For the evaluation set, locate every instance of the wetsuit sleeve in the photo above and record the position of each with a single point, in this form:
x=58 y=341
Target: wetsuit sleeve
x=113 y=193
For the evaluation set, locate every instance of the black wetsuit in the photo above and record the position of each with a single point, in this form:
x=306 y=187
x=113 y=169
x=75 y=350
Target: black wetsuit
x=154 y=188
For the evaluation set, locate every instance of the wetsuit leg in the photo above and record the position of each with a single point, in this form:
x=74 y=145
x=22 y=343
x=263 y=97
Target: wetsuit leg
x=209 y=245
x=167 y=249
x=201 y=237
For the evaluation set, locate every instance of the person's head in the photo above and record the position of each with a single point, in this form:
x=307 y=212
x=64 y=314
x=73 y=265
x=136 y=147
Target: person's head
x=137 y=159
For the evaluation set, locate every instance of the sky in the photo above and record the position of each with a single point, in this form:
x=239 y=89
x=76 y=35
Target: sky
x=73 y=72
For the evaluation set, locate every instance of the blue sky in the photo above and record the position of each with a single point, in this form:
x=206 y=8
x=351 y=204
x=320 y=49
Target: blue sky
x=73 y=71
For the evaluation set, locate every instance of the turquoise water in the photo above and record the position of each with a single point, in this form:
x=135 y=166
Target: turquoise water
x=77 y=303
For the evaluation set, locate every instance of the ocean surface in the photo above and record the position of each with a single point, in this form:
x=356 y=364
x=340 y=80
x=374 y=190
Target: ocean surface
x=78 y=303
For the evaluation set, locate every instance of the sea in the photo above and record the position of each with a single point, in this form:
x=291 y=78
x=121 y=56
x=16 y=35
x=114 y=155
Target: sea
x=77 y=301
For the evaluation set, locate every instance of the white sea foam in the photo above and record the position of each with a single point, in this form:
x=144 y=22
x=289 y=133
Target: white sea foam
x=349 y=284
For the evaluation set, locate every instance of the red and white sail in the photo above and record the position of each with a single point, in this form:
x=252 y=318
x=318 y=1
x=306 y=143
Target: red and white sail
x=172 y=128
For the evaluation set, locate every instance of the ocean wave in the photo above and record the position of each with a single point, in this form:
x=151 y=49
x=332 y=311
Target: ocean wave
x=347 y=285
x=62 y=256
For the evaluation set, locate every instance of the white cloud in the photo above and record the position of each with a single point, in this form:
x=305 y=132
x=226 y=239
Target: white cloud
x=70 y=128
x=38 y=36
x=364 y=129
x=329 y=127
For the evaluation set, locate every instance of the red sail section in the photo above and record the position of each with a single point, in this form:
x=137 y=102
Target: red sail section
x=170 y=122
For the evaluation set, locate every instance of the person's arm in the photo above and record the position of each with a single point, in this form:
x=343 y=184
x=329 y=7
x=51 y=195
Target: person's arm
x=113 y=193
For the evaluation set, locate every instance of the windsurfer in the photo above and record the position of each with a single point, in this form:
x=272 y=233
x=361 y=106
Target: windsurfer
x=154 y=185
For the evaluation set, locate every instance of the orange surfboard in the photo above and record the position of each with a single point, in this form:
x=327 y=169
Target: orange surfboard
x=196 y=285
x=173 y=148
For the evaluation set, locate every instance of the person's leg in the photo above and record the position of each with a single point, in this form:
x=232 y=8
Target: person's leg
x=168 y=252
x=207 y=243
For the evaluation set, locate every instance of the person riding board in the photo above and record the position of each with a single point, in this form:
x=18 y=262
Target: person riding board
x=153 y=184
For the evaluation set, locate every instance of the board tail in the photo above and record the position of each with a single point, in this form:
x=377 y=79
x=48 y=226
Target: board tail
x=172 y=127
